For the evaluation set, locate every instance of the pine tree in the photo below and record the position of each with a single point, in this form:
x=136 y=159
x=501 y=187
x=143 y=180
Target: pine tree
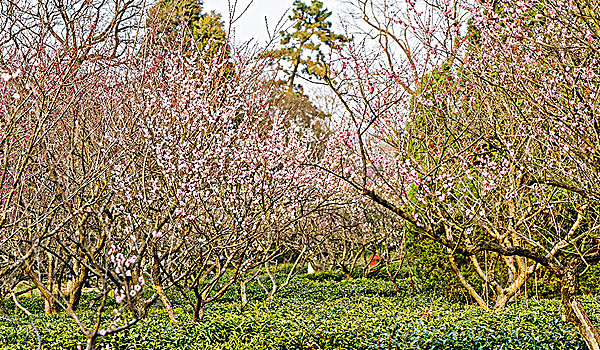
x=303 y=41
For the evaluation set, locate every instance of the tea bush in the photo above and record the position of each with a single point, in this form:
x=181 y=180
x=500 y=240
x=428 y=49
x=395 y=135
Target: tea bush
x=355 y=314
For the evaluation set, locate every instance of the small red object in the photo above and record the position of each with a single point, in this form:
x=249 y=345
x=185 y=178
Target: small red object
x=375 y=260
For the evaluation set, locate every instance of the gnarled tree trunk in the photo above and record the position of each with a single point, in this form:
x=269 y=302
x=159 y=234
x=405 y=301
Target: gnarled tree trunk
x=75 y=287
x=50 y=305
x=158 y=287
x=574 y=311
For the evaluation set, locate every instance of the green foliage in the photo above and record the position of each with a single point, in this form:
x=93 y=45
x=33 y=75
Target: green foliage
x=431 y=272
x=350 y=314
x=546 y=285
x=186 y=19
x=302 y=43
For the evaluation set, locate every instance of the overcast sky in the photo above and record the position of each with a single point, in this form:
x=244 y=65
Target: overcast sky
x=252 y=24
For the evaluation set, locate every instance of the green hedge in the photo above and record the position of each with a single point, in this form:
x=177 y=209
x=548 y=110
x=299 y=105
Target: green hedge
x=358 y=314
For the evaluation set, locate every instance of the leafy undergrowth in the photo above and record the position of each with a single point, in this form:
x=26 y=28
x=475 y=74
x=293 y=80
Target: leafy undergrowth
x=359 y=314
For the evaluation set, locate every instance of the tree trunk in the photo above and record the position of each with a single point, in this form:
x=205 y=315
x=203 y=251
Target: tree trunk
x=50 y=305
x=505 y=295
x=18 y=305
x=472 y=292
x=198 y=312
x=75 y=296
x=90 y=343
x=159 y=290
x=243 y=295
x=501 y=300
x=294 y=72
x=165 y=300
x=75 y=288
x=198 y=307
x=346 y=271
x=574 y=311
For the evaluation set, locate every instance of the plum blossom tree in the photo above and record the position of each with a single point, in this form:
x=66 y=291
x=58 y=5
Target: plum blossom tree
x=140 y=167
x=482 y=137
x=544 y=121
x=65 y=71
x=213 y=175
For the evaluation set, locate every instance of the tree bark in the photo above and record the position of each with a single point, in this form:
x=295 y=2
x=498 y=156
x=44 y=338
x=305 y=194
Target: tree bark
x=159 y=290
x=346 y=271
x=50 y=305
x=76 y=287
x=472 y=292
x=17 y=304
x=501 y=300
x=574 y=311
x=90 y=343
x=165 y=300
x=243 y=295
x=198 y=313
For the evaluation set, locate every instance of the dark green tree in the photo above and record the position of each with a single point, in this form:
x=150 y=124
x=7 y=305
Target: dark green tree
x=185 y=19
x=303 y=42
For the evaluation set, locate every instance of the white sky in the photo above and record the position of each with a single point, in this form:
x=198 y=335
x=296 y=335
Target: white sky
x=252 y=24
